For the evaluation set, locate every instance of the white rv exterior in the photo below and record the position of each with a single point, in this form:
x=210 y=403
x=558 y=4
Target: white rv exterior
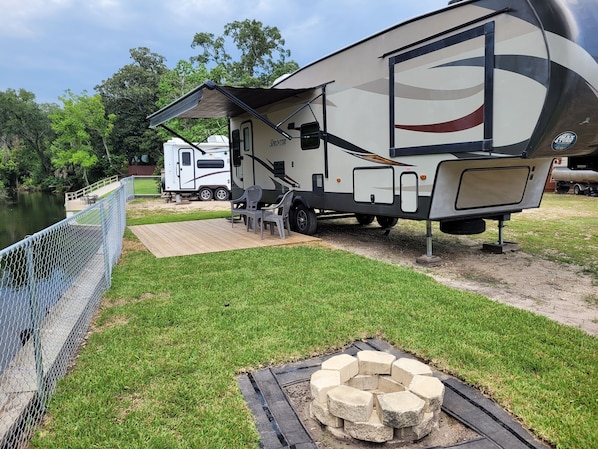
x=199 y=170
x=454 y=117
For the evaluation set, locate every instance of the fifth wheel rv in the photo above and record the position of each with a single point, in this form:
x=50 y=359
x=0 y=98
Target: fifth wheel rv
x=454 y=117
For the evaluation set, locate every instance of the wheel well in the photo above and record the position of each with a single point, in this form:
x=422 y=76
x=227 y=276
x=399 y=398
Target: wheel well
x=300 y=199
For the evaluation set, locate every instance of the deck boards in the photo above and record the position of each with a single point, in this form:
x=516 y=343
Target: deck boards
x=207 y=236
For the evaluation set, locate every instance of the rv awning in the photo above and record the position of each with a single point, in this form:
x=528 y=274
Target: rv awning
x=210 y=101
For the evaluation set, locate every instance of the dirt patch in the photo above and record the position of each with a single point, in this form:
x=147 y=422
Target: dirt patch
x=155 y=204
x=560 y=292
x=449 y=432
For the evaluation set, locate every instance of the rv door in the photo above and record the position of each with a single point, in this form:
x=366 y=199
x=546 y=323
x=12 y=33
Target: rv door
x=186 y=170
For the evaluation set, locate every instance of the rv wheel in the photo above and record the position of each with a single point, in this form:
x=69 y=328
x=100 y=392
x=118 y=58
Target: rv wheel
x=364 y=219
x=206 y=194
x=305 y=220
x=221 y=194
x=386 y=222
x=562 y=188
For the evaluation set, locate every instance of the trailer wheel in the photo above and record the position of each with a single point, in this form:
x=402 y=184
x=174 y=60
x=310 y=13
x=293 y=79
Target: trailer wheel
x=206 y=194
x=386 y=222
x=577 y=189
x=221 y=194
x=304 y=220
x=562 y=188
x=364 y=219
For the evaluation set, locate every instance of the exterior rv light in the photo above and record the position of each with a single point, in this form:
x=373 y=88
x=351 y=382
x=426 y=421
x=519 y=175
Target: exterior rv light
x=423 y=177
x=338 y=179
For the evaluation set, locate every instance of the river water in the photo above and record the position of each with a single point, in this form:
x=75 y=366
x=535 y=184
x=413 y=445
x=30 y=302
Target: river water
x=27 y=213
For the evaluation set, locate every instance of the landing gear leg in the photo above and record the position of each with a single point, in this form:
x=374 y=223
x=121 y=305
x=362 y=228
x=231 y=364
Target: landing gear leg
x=429 y=259
x=501 y=246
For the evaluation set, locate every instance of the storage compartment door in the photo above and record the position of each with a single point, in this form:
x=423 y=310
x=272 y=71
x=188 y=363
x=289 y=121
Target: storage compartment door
x=409 y=192
x=373 y=185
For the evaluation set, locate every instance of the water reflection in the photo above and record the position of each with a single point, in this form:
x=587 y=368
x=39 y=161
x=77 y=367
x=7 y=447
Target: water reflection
x=27 y=213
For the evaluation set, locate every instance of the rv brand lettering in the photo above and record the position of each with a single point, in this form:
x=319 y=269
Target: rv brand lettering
x=564 y=141
x=278 y=142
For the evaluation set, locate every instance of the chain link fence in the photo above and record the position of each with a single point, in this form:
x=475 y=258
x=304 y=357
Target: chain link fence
x=51 y=284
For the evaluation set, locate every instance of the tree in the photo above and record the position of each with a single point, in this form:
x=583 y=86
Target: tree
x=25 y=136
x=79 y=125
x=131 y=95
x=263 y=56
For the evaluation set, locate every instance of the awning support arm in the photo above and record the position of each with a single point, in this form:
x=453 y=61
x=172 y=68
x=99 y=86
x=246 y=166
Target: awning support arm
x=308 y=104
x=297 y=111
x=211 y=85
x=172 y=131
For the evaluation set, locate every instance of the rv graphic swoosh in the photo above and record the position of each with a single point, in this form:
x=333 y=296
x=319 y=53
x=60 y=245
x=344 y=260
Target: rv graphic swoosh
x=461 y=124
x=380 y=86
x=531 y=67
x=419 y=93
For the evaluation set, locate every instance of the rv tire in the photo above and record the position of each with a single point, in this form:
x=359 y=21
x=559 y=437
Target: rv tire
x=221 y=194
x=364 y=219
x=205 y=194
x=304 y=220
x=386 y=222
x=562 y=188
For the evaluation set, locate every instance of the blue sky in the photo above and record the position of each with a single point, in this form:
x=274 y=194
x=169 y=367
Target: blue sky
x=49 y=46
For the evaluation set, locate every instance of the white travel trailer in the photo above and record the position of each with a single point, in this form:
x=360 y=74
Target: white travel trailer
x=454 y=116
x=197 y=170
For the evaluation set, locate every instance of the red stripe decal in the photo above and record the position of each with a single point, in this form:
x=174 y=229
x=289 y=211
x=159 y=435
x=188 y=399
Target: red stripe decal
x=461 y=124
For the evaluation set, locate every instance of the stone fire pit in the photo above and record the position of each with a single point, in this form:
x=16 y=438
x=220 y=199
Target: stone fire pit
x=376 y=397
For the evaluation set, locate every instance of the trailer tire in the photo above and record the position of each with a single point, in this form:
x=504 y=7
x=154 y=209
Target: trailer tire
x=562 y=188
x=205 y=194
x=221 y=194
x=386 y=222
x=304 y=220
x=578 y=190
x=364 y=219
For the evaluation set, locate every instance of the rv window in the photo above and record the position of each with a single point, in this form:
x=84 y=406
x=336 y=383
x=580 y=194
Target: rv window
x=246 y=139
x=210 y=163
x=186 y=158
x=236 y=147
x=310 y=136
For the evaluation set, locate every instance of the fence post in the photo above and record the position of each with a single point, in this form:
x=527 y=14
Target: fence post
x=105 y=247
x=34 y=313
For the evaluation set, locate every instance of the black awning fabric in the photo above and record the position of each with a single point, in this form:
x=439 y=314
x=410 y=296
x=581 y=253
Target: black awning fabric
x=210 y=101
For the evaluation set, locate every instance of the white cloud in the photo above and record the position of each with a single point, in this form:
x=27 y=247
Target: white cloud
x=26 y=18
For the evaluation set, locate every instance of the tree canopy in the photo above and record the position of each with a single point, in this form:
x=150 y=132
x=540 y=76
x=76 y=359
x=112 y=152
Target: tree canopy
x=82 y=132
x=263 y=55
x=63 y=147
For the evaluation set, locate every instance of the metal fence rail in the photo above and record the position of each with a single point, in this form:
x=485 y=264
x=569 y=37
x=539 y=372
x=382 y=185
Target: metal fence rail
x=50 y=285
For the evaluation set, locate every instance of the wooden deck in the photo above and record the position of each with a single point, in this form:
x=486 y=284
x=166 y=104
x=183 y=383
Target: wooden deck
x=207 y=236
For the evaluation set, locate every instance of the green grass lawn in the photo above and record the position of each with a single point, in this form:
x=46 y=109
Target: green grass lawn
x=159 y=369
x=147 y=186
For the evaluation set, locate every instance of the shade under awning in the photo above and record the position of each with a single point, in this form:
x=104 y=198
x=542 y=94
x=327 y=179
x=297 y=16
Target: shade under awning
x=211 y=101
